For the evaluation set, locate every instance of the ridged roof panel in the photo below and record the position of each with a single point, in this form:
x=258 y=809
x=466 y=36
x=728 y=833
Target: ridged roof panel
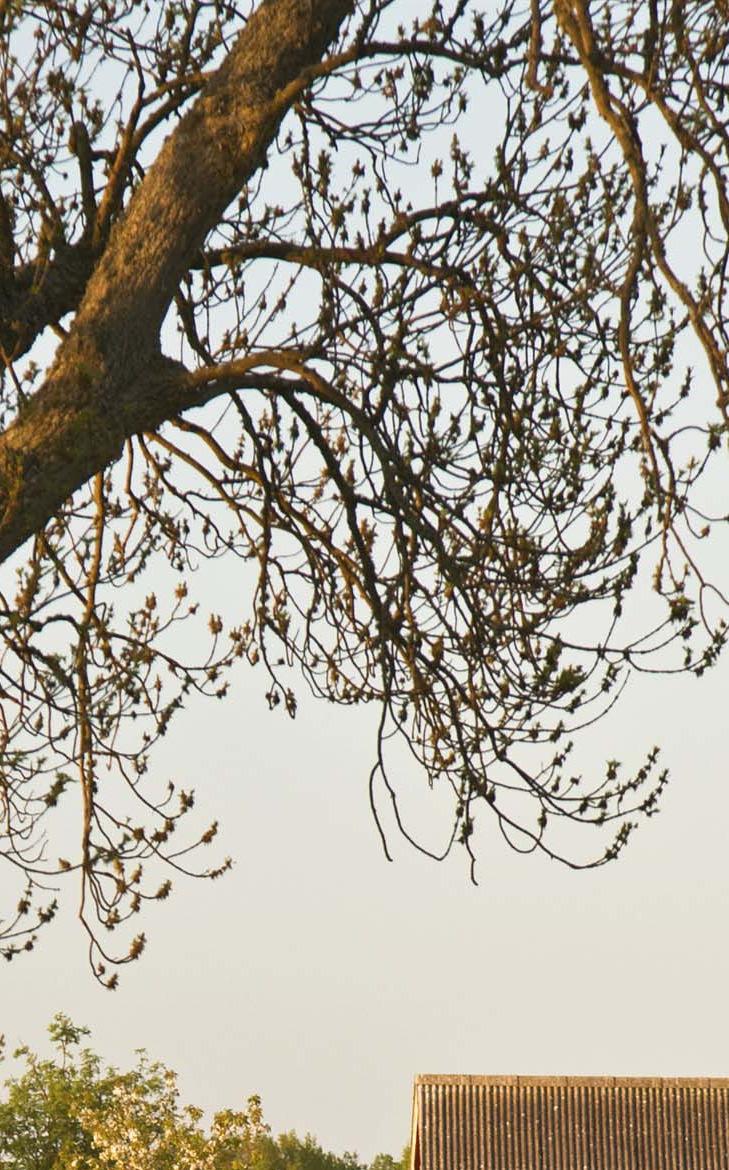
x=571 y=1123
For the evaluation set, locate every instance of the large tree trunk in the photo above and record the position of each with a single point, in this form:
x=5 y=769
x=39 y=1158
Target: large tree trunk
x=109 y=380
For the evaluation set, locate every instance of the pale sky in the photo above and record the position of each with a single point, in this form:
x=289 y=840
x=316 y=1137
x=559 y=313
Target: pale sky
x=324 y=978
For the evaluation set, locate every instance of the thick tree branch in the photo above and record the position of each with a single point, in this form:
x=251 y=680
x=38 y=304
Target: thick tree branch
x=107 y=382
x=31 y=299
x=7 y=247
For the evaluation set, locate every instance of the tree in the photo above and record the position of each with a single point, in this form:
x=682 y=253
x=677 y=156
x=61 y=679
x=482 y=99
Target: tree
x=72 y=1113
x=432 y=396
x=290 y=1152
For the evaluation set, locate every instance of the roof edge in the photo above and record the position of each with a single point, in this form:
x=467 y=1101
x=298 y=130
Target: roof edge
x=601 y=1081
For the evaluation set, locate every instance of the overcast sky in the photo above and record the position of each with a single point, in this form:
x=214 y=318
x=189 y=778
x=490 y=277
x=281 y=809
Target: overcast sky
x=324 y=978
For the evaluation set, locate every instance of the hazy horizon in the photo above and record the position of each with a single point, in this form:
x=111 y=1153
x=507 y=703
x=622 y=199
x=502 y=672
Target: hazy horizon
x=324 y=978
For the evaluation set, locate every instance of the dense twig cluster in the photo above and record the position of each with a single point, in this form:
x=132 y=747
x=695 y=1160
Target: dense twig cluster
x=436 y=369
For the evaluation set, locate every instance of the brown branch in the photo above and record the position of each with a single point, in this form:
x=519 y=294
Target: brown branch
x=7 y=244
x=535 y=52
x=574 y=17
x=39 y=294
x=80 y=145
x=109 y=381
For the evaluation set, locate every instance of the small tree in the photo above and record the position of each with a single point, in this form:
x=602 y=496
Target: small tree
x=70 y=1113
x=396 y=310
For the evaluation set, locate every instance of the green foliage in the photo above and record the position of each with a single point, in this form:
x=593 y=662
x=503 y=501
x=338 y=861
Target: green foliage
x=40 y=1125
x=72 y=1113
x=387 y=1162
x=290 y=1152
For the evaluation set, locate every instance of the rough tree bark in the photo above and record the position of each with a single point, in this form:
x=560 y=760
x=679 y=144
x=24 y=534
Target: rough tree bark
x=110 y=380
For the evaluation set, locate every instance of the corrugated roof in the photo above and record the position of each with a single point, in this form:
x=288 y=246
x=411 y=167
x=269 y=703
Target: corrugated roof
x=570 y=1123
